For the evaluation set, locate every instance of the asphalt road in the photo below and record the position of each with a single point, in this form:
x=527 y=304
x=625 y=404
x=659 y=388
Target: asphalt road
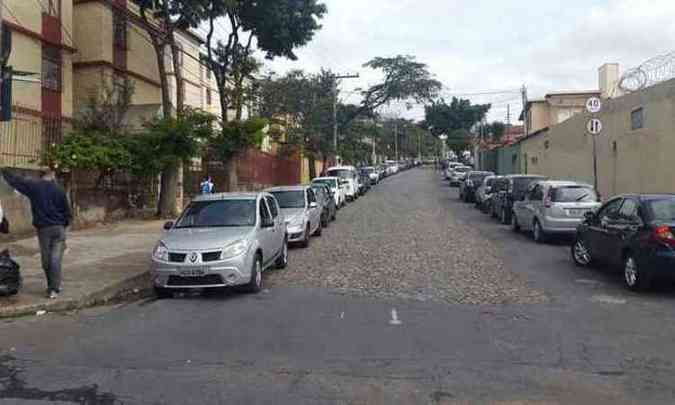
x=583 y=340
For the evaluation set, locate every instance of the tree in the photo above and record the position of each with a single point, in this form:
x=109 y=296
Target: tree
x=236 y=136
x=405 y=79
x=97 y=140
x=278 y=26
x=455 y=120
x=495 y=130
x=302 y=104
x=170 y=16
x=169 y=141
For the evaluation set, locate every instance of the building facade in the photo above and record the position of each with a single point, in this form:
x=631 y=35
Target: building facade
x=634 y=150
x=42 y=96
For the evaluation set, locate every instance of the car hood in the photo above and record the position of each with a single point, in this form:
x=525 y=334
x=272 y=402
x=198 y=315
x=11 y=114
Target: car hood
x=291 y=213
x=204 y=238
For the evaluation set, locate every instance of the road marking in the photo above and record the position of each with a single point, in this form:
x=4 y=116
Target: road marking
x=342 y=315
x=606 y=299
x=394 y=318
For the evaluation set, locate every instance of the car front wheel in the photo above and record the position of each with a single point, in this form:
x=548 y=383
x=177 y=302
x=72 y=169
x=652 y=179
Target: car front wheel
x=514 y=222
x=282 y=260
x=580 y=253
x=305 y=241
x=255 y=283
x=634 y=278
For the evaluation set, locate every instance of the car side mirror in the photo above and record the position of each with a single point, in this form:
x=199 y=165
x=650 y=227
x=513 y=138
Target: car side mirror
x=313 y=205
x=168 y=225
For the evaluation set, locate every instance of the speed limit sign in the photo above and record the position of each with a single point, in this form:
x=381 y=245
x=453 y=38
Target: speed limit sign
x=594 y=126
x=593 y=105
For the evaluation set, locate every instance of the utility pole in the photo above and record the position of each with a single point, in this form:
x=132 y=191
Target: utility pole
x=523 y=92
x=396 y=140
x=335 y=101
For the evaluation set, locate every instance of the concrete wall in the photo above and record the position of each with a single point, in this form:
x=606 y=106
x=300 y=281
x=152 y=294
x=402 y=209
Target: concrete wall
x=628 y=160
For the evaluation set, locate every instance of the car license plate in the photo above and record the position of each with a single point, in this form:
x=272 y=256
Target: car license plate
x=576 y=213
x=193 y=273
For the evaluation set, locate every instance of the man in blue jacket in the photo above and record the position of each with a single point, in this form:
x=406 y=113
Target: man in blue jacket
x=51 y=216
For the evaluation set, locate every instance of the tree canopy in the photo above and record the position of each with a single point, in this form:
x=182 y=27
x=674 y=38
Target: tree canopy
x=455 y=120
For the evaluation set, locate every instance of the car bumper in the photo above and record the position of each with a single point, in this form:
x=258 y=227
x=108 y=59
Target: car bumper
x=226 y=273
x=661 y=263
x=561 y=225
x=296 y=234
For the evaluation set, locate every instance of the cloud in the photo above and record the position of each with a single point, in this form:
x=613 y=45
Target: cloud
x=484 y=45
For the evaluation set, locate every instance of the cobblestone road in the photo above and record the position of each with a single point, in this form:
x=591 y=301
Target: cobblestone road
x=402 y=241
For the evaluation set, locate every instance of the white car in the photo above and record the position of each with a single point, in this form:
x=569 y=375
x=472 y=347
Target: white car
x=348 y=174
x=334 y=184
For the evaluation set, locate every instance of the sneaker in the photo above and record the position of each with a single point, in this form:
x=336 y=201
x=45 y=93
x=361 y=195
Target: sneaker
x=53 y=295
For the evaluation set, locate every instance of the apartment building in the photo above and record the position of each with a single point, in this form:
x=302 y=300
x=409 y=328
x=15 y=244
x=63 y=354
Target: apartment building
x=42 y=89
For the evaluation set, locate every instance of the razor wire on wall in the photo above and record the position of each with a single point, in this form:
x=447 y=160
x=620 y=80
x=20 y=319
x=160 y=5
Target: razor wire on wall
x=651 y=72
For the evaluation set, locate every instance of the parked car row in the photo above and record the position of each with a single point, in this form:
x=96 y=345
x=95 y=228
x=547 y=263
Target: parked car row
x=230 y=239
x=633 y=233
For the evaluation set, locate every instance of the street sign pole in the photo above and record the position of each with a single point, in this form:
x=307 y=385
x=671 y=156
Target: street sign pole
x=594 y=128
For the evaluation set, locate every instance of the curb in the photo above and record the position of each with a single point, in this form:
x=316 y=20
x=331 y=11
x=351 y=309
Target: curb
x=135 y=285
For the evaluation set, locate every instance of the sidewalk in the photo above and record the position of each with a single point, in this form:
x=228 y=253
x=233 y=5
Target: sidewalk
x=98 y=264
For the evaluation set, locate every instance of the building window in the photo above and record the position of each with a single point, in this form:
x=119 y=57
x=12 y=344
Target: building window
x=51 y=7
x=208 y=73
x=208 y=96
x=119 y=30
x=547 y=144
x=51 y=68
x=637 y=118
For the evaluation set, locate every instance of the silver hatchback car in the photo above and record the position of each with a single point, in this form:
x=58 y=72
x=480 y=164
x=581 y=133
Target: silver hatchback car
x=553 y=207
x=301 y=210
x=221 y=240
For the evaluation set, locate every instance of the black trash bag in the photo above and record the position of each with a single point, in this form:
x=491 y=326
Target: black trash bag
x=10 y=277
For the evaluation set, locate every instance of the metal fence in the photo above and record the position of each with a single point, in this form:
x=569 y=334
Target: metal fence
x=21 y=143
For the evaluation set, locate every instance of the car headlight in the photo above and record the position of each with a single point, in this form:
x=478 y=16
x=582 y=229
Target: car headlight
x=161 y=252
x=234 y=249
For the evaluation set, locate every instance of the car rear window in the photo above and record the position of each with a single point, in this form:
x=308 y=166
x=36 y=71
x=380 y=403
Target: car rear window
x=662 y=209
x=573 y=194
x=520 y=184
x=463 y=169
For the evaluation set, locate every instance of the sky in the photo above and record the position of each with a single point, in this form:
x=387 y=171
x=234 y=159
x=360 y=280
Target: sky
x=488 y=45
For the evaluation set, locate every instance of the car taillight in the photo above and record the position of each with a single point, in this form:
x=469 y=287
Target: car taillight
x=664 y=234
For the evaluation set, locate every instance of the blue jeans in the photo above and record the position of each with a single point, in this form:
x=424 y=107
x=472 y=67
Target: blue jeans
x=52 y=245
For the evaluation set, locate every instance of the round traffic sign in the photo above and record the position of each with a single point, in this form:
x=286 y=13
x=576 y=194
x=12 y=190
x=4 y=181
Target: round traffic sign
x=594 y=126
x=593 y=105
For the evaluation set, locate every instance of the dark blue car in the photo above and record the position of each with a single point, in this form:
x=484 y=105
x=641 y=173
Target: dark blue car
x=633 y=233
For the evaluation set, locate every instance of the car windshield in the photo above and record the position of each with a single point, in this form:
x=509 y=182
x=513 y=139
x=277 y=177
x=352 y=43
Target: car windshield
x=328 y=182
x=341 y=173
x=573 y=194
x=290 y=199
x=218 y=213
x=662 y=209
